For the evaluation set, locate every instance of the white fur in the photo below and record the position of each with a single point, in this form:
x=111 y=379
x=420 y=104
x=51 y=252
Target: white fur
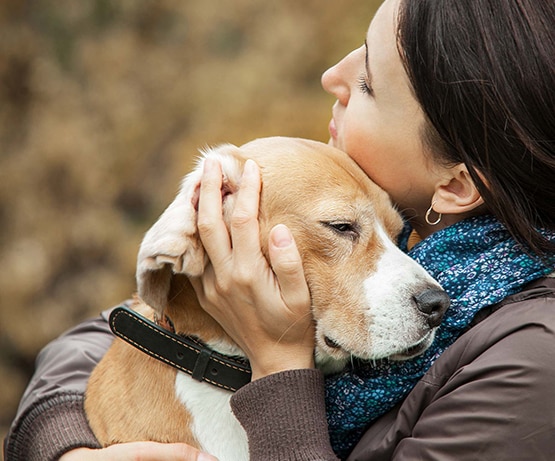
x=388 y=293
x=214 y=425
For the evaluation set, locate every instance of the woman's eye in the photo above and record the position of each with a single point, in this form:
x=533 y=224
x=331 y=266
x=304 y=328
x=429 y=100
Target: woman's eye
x=364 y=87
x=343 y=228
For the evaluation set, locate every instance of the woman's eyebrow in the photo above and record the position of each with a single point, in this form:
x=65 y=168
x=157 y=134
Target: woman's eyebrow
x=367 y=64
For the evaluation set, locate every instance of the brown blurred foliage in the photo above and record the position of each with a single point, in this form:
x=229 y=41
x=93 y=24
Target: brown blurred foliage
x=103 y=105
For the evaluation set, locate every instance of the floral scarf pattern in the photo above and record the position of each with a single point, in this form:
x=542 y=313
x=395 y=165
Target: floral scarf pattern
x=478 y=264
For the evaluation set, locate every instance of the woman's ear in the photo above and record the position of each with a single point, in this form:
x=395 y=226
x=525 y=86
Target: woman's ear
x=457 y=194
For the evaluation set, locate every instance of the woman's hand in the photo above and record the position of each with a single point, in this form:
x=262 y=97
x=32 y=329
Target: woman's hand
x=266 y=310
x=145 y=451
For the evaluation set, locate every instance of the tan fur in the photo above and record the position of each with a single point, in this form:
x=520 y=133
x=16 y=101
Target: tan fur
x=129 y=397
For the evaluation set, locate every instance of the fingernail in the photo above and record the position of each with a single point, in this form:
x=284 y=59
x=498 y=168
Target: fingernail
x=250 y=167
x=209 y=164
x=281 y=236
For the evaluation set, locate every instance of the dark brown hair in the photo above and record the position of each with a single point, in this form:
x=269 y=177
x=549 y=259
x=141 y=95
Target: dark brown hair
x=483 y=72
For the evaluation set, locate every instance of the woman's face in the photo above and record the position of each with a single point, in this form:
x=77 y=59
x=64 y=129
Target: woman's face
x=377 y=120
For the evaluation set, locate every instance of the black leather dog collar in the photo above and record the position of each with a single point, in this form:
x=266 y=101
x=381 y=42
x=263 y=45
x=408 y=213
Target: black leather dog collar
x=181 y=352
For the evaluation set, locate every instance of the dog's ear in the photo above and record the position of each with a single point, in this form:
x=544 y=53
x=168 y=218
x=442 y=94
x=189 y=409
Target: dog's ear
x=172 y=245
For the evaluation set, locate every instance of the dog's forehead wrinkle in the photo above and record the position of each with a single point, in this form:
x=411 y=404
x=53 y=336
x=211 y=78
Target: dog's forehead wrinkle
x=342 y=208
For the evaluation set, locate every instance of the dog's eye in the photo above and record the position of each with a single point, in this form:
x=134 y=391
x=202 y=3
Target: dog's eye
x=344 y=228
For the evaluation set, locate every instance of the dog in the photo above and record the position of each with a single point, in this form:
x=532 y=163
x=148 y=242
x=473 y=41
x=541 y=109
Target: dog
x=369 y=299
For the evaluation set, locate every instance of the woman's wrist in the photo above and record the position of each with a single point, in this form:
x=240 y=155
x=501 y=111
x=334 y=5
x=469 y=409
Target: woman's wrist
x=282 y=361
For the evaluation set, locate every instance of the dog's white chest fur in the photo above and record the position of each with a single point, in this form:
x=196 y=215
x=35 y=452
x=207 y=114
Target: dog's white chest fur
x=216 y=429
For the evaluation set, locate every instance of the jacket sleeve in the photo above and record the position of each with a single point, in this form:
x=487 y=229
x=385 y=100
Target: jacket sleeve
x=51 y=420
x=284 y=416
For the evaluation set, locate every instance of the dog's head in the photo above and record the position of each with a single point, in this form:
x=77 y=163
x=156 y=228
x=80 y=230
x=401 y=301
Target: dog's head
x=369 y=299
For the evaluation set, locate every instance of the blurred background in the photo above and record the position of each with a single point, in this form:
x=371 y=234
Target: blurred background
x=103 y=107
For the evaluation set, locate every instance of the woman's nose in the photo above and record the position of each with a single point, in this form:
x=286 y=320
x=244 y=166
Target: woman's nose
x=338 y=79
x=334 y=85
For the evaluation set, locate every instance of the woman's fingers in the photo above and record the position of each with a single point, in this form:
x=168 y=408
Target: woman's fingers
x=212 y=229
x=243 y=235
x=244 y=220
x=146 y=451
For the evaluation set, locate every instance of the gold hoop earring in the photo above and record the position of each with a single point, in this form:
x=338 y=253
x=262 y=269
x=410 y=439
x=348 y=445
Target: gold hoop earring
x=427 y=217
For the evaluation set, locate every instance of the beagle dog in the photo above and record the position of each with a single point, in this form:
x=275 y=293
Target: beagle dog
x=369 y=299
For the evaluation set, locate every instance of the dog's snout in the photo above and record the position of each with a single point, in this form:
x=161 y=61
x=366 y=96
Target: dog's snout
x=433 y=303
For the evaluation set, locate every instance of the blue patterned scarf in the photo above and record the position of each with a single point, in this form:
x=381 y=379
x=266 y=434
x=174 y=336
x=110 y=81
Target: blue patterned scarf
x=478 y=264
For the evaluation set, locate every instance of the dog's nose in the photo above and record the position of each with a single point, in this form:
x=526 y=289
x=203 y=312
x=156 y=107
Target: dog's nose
x=433 y=303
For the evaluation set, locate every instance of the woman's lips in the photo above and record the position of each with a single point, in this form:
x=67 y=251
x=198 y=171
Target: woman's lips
x=332 y=129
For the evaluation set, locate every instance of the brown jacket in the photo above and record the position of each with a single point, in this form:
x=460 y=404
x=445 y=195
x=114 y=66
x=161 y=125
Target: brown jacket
x=490 y=396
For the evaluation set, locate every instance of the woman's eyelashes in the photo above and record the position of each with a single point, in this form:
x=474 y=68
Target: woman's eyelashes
x=364 y=86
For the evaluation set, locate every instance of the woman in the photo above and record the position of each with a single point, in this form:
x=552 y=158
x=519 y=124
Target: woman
x=449 y=106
